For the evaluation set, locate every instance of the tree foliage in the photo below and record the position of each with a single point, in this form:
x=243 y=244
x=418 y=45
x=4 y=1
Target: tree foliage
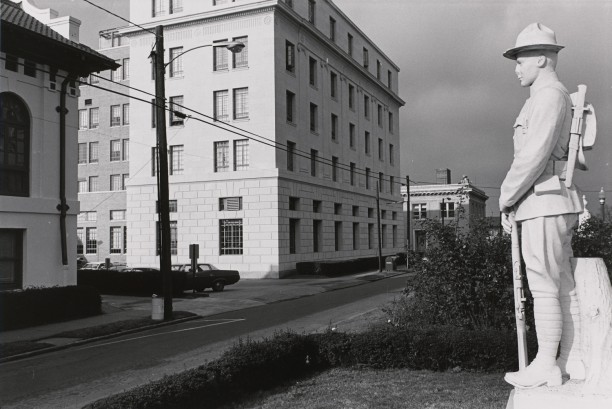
x=594 y=239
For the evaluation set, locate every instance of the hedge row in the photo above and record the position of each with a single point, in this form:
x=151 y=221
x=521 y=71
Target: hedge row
x=140 y=283
x=37 y=306
x=253 y=366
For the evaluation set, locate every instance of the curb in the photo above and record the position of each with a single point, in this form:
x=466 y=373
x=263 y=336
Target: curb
x=94 y=339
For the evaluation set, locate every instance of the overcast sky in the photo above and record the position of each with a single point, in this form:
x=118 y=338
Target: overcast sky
x=461 y=95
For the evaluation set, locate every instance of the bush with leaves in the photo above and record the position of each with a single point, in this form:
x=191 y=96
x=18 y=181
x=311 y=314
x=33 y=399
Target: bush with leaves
x=464 y=279
x=594 y=239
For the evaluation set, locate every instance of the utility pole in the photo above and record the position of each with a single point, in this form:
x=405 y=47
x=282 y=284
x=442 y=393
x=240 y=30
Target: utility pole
x=408 y=215
x=380 y=260
x=162 y=188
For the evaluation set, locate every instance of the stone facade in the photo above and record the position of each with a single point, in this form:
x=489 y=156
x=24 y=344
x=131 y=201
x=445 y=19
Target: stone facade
x=291 y=146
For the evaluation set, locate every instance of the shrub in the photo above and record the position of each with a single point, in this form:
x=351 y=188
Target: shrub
x=464 y=279
x=253 y=366
x=336 y=268
x=594 y=239
x=37 y=306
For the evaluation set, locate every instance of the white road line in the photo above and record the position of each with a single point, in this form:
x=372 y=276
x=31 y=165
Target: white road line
x=216 y=323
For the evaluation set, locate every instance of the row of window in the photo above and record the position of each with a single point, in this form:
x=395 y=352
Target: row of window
x=294 y=205
x=336 y=167
x=333 y=87
x=295 y=238
x=87 y=240
x=419 y=210
x=91 y=184
x=312 y=4
x=92 y=215
x=89 y=152
x=176 y=160
x=90 y=118
x=159 y=7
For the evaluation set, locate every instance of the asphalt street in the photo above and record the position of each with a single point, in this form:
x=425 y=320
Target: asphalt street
x=78 y=375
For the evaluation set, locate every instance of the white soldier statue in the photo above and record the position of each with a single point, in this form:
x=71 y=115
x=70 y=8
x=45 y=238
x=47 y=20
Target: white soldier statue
x=534 y=193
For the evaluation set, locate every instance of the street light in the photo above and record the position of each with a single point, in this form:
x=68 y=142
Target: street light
x=163 y=195
x=602 y=203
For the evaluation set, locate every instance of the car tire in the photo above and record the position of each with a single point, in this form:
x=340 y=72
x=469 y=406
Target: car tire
x=218 y=286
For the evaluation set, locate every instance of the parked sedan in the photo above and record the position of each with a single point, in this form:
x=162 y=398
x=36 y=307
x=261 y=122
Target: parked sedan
x=207 y=276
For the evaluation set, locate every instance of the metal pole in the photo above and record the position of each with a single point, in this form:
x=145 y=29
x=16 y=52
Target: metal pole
x=380 y=261
x=442 y=212
x=602 y=203
x=162 y=188
x=408 y=215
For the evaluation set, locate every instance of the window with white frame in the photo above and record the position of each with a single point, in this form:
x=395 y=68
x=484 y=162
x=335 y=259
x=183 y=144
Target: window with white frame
x=93 y=184
x=176 y=159
x=176 y=66
x=176 y=6
x=334 y=127
x=419 y=211
x=312 y=11
x=115 y=115
x=117 y=214
x=230 y=236
x=158 y=8
x=115 y=182
x=83 y=123
x=290 y=156
x=222 y=156
x=82 y=152
x=448 y=209
x=126 y=68
x=91 y=240
x=241 y=154
x=126 y=114
x=241 y=59
x=176 y=108
x=126 y=149
x=221 y=109
x=241 y=103
x=115 y=150
x=94 y=117
x=116 y=239
x=82 y=186
x=93 y=152
x=312 y=71
x=290 y=106
x=289 y=56
x=124 y=178
x=220 y=60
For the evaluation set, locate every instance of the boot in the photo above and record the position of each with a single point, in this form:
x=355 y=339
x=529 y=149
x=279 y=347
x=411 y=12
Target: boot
x=570 y=356
x=538 y=373
x=543 y=370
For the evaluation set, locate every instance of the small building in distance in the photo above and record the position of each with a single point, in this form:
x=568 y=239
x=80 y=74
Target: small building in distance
x=460 y=203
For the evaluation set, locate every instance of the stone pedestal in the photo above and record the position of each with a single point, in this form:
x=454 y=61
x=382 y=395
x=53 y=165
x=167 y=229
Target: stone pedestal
x=567 y=396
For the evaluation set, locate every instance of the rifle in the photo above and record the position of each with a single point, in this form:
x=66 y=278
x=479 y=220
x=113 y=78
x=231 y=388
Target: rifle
x=519 y=296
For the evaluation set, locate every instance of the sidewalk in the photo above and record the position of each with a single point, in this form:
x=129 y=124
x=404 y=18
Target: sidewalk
x=244 y=294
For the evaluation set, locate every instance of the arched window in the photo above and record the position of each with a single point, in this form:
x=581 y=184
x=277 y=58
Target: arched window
x=14 y=146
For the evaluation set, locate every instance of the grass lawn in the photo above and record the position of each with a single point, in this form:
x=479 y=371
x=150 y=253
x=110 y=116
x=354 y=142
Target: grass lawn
x=397 y=388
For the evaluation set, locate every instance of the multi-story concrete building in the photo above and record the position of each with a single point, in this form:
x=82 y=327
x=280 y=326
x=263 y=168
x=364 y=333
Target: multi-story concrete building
x=459 y=203
x=38 y=100
x=103 y=154
x=279 y=157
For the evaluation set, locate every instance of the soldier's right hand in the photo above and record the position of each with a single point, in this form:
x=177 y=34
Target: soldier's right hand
x=505 y=222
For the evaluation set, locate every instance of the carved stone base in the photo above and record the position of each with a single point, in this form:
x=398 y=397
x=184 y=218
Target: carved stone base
x=567 y=396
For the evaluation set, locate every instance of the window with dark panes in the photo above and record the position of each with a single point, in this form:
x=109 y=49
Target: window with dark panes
x=290 y=156
x=312 y=11
x=294 y=230
x=11 y=258
x=289 y=56
x=11 y=63
x=290 y=106
x=333 y=84
x=241 y=59
x=312 y=71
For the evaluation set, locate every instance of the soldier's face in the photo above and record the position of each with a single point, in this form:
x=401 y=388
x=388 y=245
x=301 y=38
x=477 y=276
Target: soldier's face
x=527 y=69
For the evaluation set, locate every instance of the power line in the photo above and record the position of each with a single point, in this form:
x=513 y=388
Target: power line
x=122 y=18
